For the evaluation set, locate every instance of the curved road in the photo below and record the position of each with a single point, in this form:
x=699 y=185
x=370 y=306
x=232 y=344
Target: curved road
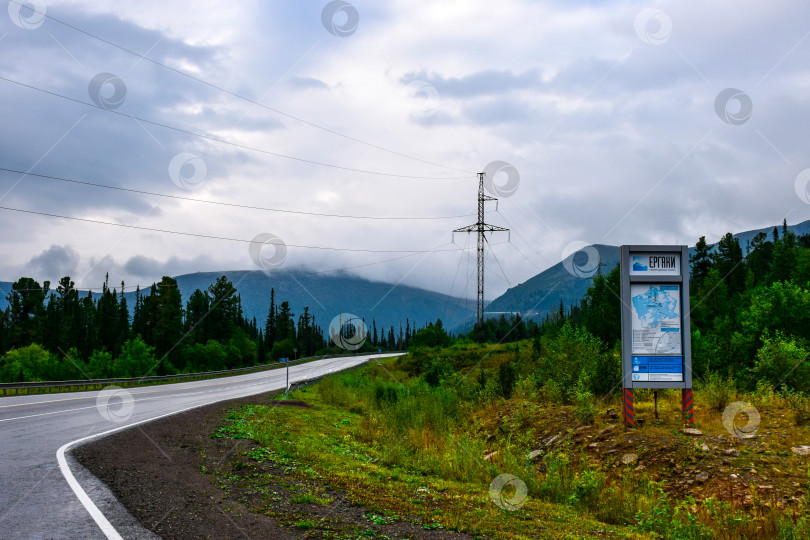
x=44 y=494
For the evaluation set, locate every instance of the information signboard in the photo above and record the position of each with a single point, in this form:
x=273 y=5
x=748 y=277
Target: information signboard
x=656 y=350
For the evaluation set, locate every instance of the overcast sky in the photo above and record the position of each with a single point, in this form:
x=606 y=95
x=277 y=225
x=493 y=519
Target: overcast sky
x=625 y=122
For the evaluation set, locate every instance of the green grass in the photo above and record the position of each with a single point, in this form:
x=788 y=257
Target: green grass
x=411 y=449
x=333 y=444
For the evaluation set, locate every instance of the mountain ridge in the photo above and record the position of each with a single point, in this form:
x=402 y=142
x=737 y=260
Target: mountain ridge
x=541 y=294
x=325 y=296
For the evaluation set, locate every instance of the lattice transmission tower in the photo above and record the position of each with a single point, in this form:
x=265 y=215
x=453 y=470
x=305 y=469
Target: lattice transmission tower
x=481 y=228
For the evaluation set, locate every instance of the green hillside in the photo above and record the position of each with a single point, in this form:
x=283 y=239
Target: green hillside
x=542 y=294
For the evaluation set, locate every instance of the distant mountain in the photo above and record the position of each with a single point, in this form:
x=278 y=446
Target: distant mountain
x=744 y=237
x=542 y=294
x=326 y=297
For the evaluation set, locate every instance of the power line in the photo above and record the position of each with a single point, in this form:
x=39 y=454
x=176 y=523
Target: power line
x=234 y=94
x=230 y=143
x=234 y=205
x=498 y=211
x=145 y=287
x=498 y=262
x=211 y=237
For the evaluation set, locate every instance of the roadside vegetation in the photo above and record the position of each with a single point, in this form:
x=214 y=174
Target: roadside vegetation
x=422 y=437
x=426 y=434
x=59 y=335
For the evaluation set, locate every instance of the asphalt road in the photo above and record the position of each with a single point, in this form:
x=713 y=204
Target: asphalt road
x=44 y=494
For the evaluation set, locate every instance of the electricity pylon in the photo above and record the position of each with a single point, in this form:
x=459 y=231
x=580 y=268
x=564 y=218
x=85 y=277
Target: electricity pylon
x=481 y=228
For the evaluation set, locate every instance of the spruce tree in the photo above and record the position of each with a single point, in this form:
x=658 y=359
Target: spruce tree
x=270 y=322
x=701 y=261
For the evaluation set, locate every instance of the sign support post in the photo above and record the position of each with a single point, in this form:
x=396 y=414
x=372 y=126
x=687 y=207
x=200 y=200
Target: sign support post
x=656 y=335
x=287 y=368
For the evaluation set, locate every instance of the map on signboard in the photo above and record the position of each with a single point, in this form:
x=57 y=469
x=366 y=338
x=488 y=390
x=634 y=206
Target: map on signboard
x=656 y=318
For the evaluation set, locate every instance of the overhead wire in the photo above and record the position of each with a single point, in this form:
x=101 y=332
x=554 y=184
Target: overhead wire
x=497 y=261
x=455 y=276
x=222 y=203
x=227 y=142
x=234 y=94
x=224 y=141
x=500 y=213
x=211 y=237
x=144 y=287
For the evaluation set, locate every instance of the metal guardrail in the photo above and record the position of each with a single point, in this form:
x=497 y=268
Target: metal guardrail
x=160 y=378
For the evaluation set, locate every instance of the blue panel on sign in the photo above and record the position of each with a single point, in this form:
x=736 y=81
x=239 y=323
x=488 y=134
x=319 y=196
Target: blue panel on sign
x=669 y=287
x=670 y=329
x=657 y=364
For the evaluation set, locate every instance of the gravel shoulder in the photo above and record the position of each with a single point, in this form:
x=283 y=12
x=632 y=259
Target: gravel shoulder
x=154 y=470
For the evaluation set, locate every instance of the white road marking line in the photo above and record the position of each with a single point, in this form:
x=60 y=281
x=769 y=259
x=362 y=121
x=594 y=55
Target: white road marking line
x=103 y=523
x=100 y=519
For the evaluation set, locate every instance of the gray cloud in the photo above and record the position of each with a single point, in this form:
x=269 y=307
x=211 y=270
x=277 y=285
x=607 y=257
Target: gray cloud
x=607 y=132
x=307 y=83
x=142 y=266
x=482 y=83
x=54 y=263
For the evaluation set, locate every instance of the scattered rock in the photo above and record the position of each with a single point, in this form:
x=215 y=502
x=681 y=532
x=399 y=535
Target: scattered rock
x=702 y=447
x=627 y=459
x=640 y=467
x=803 y=450
x=593 y=445
x=731 y=452
x=489 y=457
x=733 y=476
x=765 y=487
x=613 y=451
x=551 y=440
x=692 y=432
x=702 y=477
x=534 y=454
x=605 y=433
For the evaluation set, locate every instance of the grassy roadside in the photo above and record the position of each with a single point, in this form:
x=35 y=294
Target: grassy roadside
x=320 y=454
x=425 y=448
